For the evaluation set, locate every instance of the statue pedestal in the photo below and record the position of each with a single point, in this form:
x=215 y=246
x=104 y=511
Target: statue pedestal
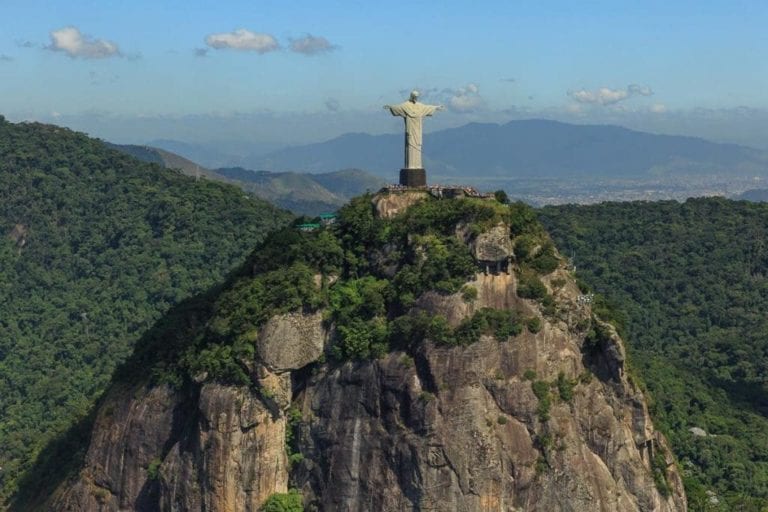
x=413 y=177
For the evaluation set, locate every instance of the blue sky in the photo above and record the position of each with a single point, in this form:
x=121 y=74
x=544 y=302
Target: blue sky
x=139 y=70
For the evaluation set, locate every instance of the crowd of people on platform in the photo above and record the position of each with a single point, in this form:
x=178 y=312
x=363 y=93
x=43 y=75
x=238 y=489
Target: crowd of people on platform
x=439 y=191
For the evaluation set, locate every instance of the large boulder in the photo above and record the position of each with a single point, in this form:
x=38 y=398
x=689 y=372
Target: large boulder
x=493 y=245
x=292 y=341
x=391 y=204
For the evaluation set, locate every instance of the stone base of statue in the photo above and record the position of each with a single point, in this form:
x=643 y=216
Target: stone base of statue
x=413 y=177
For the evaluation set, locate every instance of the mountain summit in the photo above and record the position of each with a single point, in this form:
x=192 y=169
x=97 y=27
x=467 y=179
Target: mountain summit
x=417 y=354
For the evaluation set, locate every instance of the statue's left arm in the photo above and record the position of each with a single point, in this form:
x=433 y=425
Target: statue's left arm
x=431 y=109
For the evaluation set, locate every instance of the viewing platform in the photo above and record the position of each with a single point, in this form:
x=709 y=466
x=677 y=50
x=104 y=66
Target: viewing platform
x=440 y=191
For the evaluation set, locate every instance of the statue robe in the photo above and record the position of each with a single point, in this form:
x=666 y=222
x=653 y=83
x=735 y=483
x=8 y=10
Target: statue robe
x=412 y=113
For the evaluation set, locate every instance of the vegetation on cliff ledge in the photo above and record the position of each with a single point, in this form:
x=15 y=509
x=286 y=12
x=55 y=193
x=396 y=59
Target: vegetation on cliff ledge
x=365 y=273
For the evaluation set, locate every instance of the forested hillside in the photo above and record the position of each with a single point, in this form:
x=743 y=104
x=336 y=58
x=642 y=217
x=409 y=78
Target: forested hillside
x=166 y=159
x=301 y=193
x=692 y=279
x=94 y=247
x=304 y=193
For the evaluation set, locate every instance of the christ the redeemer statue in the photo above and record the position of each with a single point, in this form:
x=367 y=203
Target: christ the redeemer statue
x=412 y=113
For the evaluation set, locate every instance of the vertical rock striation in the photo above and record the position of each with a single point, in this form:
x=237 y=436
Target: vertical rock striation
x=158 y=452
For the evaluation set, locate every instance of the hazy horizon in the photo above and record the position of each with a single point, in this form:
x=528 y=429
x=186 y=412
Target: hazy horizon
x=269 y=131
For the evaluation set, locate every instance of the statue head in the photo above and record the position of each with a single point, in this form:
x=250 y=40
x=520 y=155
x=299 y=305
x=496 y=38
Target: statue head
x=414 y=95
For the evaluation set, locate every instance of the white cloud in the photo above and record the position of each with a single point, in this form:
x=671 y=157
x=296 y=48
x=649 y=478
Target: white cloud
x=311 y=45
x=603 y=96
x=658 y=108
x=465 y=99
x=242 y=39
x=607 y=96
x=641 y=90
x=78 y=45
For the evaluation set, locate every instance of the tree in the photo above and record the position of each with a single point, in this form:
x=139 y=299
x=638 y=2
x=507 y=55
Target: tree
x=501 y=196
x=284 y=502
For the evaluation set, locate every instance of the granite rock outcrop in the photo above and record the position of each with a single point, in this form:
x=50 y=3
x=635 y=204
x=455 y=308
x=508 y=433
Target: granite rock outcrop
x=292 y=341
x=461 y=428
x=543 y=420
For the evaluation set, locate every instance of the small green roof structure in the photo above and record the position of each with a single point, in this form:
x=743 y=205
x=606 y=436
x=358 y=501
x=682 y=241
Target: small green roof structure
x=327 y=218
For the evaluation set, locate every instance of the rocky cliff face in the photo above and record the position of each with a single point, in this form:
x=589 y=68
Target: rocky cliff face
x=222 y=449
x=546 y=420
x=390 y=205
x=462 y=429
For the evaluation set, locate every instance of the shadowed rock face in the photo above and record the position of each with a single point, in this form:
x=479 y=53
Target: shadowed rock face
x=233 y=460
x=157 y=452
x=128 y=436
x=441 y=428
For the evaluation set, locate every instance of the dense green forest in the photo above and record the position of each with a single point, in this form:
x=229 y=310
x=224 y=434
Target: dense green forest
x=304 y=193
x=94 y=247
x=690 y=282
x=301 y=193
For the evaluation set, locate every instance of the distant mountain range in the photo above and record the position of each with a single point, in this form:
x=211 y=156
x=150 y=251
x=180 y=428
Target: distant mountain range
x=215 y=154
x=516 y=156
x=529 y=148
x=302 y=193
